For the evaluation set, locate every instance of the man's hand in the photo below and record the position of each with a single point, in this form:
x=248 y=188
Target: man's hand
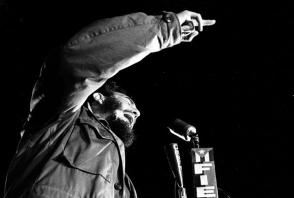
x=189 y=21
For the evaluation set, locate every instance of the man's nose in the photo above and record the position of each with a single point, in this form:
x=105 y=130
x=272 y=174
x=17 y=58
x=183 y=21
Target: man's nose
x=136 y=112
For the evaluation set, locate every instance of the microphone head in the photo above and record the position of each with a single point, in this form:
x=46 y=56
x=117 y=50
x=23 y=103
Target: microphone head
x=182 y=129
x=187 y=128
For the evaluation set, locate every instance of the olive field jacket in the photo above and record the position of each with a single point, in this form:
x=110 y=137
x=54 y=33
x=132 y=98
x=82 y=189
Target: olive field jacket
x=66 y=151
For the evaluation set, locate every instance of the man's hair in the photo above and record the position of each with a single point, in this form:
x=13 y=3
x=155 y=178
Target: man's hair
x=109 y=88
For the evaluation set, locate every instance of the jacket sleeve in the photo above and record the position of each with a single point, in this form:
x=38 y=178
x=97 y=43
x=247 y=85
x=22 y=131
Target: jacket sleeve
x=107 y=46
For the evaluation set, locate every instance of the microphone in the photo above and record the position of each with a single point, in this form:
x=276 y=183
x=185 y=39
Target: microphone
x=182 y=129
x=174 y=160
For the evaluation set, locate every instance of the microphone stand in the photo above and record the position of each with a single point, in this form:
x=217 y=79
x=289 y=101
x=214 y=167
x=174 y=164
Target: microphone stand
x=173 y=157
x=195 y=141
x=180 y=191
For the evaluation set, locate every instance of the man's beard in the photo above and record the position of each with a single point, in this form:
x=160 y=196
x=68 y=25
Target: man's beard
x=122 y=129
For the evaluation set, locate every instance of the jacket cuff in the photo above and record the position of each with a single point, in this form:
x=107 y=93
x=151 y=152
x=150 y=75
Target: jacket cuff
x=174 y=27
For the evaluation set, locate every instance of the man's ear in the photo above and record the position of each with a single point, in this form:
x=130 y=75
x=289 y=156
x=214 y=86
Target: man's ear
x=98 y=97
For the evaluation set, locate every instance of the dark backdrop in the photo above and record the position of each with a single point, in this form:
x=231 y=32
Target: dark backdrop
x=234 y=82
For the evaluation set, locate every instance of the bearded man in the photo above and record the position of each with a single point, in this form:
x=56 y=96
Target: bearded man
x=73 y=142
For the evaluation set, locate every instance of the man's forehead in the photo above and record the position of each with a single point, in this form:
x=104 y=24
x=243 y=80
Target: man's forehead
x=123 y=96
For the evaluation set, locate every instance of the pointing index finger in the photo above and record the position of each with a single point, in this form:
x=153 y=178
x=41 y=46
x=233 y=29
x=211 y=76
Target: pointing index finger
x=208 y=22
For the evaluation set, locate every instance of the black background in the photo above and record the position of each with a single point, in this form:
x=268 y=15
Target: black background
x=234 y=82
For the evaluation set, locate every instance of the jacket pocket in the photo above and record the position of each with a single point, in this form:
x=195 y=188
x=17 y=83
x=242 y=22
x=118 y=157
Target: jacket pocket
x=86 y=151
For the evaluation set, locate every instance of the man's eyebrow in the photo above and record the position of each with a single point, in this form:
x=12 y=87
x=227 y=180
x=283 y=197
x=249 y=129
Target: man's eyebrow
x=130 y=99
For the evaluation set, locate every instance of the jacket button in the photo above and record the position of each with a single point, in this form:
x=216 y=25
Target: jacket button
x=168 y=19
x=117 y=186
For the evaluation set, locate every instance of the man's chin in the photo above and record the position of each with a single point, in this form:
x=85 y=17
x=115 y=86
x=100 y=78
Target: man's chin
x=123 y=130
x=129 y=140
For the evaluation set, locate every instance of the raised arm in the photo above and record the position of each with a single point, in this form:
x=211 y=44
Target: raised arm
x=105 y=47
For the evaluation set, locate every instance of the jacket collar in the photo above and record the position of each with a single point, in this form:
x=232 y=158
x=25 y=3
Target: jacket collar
x=88 y=117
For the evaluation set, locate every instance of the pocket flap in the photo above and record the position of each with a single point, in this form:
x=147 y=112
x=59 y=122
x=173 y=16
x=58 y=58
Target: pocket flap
x=89 y=153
